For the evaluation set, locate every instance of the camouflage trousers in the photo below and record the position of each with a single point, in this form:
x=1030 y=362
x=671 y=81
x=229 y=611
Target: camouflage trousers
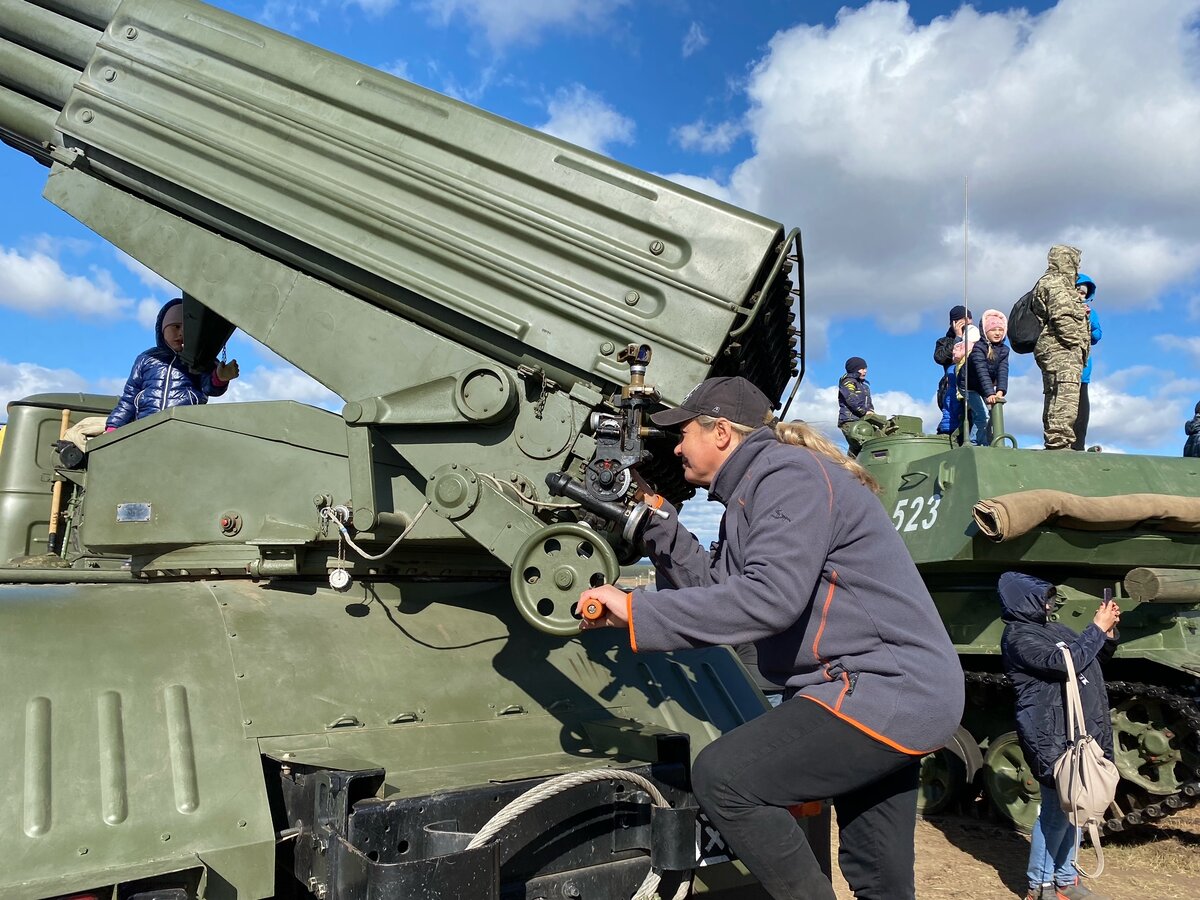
x=1060 y=391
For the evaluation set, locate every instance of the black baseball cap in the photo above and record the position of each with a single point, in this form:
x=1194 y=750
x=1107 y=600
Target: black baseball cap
x=733 y=398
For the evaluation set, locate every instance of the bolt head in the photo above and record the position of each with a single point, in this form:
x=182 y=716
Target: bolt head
x=657 y=247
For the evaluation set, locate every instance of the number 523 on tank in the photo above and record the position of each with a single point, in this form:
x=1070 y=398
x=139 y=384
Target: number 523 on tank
x=913 y=513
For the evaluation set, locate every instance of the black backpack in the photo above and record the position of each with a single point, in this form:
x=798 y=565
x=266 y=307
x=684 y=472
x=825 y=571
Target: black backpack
x=1024 y=325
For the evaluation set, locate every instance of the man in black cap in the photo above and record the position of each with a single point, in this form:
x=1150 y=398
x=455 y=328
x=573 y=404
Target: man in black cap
x=943 y=355
x=854 y=400
x=809 y=568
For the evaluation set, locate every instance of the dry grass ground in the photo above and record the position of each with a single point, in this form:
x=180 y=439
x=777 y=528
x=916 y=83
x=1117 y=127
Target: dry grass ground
x=960 y=857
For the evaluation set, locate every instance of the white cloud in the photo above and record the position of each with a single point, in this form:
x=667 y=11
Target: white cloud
x=1132 y=409
x=147 y=276
x=290 y=17
x=1190 y=346
x=509 y=22
x=583 y=117
x=283 y=382
x=398 y=67
x=373 y=7
x=21 y=379
x=865 y=130
x=708 y=186
x=147 y=313
x=36 y=283
x=695 y=40
x=699 y=135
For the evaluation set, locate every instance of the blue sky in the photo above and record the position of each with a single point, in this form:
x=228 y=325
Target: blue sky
x=1072 y=122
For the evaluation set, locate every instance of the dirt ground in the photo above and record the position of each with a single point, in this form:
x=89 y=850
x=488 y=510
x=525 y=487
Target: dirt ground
x=958 y=856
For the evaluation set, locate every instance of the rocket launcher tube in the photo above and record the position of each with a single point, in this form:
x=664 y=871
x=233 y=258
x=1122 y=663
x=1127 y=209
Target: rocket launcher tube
x=499 y=238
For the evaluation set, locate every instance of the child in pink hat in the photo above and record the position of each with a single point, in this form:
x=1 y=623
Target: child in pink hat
x=985 y=375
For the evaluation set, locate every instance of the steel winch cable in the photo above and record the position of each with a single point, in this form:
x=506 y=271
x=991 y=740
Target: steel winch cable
x=648 y=889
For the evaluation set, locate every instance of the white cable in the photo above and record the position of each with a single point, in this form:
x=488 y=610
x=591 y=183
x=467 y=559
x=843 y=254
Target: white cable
x=647 y=890
x=537 y=504
x=327 y=513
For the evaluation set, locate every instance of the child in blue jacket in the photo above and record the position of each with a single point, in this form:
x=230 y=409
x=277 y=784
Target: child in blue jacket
x=985 y=381
x=160 y=379
x=1030 y=654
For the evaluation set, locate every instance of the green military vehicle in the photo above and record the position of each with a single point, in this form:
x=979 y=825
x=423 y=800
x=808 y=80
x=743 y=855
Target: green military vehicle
x=1088 y=522
x=265 y=650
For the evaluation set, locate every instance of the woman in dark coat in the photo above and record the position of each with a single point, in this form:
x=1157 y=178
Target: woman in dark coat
x=1033 y=660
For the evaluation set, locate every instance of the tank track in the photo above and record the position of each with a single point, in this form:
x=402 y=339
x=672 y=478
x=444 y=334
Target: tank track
x=1186 y=707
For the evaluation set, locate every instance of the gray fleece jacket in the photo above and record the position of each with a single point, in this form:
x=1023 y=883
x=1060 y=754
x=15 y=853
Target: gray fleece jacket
x=809 y=568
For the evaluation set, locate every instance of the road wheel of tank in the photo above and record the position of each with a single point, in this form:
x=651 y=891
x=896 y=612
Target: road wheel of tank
x=553 y=567
x=947 y=774
x=1009 y=782
x=943 y=780
x=1151 y=746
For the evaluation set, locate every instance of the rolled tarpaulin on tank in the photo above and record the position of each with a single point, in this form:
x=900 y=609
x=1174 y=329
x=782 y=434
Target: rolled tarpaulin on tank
x=1012 y=515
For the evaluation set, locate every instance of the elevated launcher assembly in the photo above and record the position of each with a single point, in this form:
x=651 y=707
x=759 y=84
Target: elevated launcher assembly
x=484 y=297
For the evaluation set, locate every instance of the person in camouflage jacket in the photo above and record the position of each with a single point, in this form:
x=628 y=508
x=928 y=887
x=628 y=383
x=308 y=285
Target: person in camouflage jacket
x=1063 y=346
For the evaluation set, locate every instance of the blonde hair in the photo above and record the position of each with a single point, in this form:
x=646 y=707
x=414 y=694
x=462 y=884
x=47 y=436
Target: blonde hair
x=801 y=434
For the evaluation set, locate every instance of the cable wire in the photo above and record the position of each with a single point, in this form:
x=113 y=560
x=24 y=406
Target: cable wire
x=647 y=890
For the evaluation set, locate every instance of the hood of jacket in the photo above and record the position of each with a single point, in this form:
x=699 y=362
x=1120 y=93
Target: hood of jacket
x=1023 y=598
x=1086 y=280
x=1063 y=259
x=160 y=342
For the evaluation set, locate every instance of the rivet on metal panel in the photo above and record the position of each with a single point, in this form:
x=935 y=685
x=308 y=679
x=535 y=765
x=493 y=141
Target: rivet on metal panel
x=706 y=358
x=165 y=836
x=657 y=247
x=607 y=348
x=247 y=721
x=632 y=298
x=241 y=823
x=241 y=674
x=131 y=33
x=109 y=74
x=87 y=115
x=82 y=851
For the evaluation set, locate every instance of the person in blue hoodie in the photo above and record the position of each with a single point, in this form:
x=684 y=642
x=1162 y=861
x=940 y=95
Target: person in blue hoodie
x=1087 y=290
x=1191 y=447
x=1030 y=654
x=160 y=379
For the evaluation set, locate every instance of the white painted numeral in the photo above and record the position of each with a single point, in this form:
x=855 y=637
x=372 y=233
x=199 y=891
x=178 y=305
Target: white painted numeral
x=911 y=508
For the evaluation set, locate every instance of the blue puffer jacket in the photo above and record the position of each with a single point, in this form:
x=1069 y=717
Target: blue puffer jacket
x=1029 y=651
x=1093 y=323
x=987 y=375
x=160 y=379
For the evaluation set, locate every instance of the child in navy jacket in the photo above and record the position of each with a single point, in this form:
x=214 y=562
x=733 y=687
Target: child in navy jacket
x=159 y=377
x=984 y=379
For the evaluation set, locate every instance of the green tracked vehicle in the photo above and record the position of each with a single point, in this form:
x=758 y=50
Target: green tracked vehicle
x=265 y=650
x=1088 y=522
